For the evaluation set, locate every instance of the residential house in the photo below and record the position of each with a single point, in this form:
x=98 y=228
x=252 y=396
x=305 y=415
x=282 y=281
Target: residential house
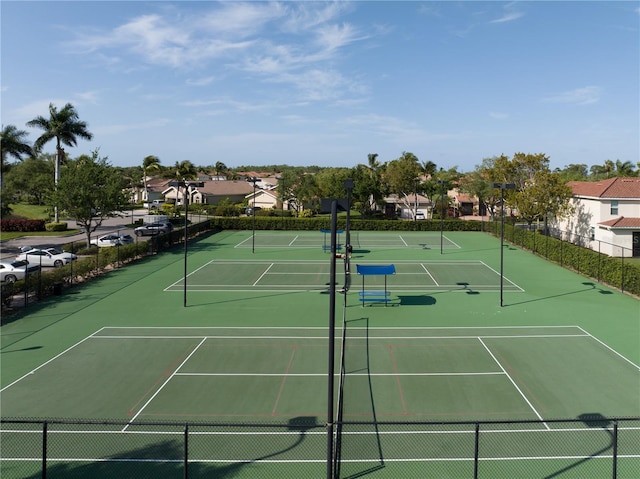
x=211 y=193
x=606 y=216
x=407 y=206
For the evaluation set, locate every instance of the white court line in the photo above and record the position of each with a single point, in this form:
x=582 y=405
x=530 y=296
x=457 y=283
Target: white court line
x=498 y=273
x=514 y=384
x=370 y=339
x=453 y=242
x=293 y=240
x=402 y=239
x=609 y=348
x=430 y=275
x=164 y=384
x=242 y=242
x=182 y=279
x=305 y=375
x=50 y=360
x=263 y=273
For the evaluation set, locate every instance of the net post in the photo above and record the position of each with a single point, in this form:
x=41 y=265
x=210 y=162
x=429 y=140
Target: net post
x=332 y=322
x=44 y=450
x=476 y=452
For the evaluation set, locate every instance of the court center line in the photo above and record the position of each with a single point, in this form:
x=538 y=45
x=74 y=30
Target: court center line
x=164 y=384
x=514 y=384
x=430 y=275
x=262 y=275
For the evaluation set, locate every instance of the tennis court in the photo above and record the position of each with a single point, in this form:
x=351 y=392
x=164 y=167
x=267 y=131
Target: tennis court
x=252 y=349
x=359 y=240
x=298 y=275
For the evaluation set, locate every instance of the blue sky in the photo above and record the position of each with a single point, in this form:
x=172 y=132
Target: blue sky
x=327 y=83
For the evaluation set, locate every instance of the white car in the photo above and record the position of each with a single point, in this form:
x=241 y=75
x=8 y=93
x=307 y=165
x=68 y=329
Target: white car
x=12 y=271
x=112 y=240
x=47 y=257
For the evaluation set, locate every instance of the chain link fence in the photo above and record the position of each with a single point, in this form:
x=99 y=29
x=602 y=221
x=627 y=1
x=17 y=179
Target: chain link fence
x=591 y=446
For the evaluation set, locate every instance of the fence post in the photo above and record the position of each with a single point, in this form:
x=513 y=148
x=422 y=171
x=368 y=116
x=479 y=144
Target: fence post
x=615 y=449
x=476 y=453
x=622 y=272
x=44 y=450
x=186 y=451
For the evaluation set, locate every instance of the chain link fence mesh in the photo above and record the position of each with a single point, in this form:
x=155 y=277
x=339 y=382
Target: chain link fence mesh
x=591 y=446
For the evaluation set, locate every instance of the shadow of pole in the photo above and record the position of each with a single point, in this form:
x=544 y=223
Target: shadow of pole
x=593 y=421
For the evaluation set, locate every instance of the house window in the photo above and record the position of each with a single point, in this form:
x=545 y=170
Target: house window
x=614 y=207
x=592 y=233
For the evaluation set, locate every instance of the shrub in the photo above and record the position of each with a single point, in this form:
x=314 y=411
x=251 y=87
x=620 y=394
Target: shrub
x=56 y=226
x=22 y=225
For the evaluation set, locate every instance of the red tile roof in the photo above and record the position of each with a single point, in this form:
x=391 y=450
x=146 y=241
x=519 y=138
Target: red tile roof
x=622 y=222
x=610 y=188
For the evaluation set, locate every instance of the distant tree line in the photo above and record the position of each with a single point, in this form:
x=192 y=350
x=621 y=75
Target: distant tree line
x=88 y=188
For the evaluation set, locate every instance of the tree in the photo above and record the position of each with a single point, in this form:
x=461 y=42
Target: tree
x=538 y=192
x=32 y=179
x=574 y=172
x=66 y=128
x=402 y=176
x=625 y=169
x=185 y=170
x=220 y=168
x=149 y=163
x=546 y=195
x=90 y=191
x=12 y=143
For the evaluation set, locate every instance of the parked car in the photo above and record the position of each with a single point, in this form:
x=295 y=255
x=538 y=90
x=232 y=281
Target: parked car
x=152 y=229
x=47 y=257
x=420 y=215
x=12 y=271
x=112 y=240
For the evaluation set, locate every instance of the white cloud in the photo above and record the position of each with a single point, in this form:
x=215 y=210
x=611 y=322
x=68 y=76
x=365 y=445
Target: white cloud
x=510 y=13
x=579 y=96
x=508 y=17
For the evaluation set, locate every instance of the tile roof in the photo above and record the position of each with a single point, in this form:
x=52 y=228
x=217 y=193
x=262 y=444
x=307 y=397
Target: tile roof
x=622 y=222
x=610 y=188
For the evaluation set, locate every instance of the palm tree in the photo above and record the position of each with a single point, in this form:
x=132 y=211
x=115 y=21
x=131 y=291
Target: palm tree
x=66 y=128
x=12 y=143
x=220 y=168
x=150 y=162
x=625 y=169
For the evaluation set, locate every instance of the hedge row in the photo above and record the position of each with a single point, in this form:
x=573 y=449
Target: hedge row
x=22 y=225
x=615 y=272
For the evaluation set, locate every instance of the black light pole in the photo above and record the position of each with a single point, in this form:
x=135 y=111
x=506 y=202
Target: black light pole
x=282 y=200
x=348 y=185
x=253 y=180
x=415 y=192
x=184 y=184
x=502 y=186
x=441 y=183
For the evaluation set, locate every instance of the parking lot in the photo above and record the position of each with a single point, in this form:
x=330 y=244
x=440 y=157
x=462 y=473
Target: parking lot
x=9 y=249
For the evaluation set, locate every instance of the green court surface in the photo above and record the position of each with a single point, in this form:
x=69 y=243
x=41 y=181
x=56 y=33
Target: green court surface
x=251 y=346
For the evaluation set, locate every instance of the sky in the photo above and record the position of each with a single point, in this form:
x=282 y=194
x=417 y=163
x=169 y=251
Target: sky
x=328 y=83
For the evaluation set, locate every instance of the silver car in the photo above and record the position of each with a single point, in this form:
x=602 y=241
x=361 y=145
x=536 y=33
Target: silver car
x=112 y=240
x=152 y=229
